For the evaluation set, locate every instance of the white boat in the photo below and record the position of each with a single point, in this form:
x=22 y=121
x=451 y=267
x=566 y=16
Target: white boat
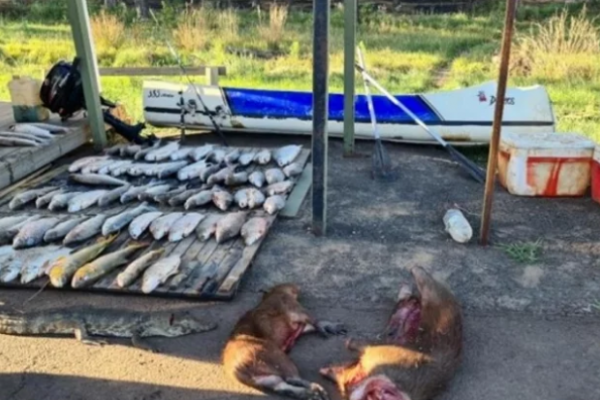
x=461 y=116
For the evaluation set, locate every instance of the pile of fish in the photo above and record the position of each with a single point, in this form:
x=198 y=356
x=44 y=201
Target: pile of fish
x=30 y=134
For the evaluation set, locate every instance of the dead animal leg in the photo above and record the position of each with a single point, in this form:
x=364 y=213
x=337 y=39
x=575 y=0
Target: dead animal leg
x=82 y=336
x=295 y=388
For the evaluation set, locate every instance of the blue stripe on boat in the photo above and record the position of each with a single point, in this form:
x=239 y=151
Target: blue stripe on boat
x=256 y=103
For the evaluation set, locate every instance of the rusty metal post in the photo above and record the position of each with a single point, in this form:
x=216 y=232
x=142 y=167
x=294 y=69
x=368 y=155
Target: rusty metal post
x=496 y=129
x=320 y=114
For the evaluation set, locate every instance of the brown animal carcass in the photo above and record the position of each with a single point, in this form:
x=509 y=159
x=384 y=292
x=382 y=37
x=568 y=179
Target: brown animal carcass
x=256 y=351
x=420 y=353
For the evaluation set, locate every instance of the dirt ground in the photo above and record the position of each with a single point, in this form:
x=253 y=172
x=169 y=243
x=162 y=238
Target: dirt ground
x=531 y=327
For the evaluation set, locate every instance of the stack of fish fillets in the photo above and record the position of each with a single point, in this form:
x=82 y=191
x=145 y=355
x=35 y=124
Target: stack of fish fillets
x=66 y=230
x=30 y=134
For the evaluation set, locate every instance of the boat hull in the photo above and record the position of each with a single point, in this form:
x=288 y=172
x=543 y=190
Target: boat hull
x=462 y=116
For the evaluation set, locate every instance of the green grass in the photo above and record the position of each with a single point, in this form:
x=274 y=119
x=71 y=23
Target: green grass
x=523 y=252
x=405 y=53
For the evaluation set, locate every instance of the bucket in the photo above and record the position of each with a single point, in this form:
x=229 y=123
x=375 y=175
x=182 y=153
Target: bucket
x=25 y=98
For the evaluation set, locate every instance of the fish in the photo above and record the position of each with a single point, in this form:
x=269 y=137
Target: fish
x=25 y=136
x=222 y=199
x=274 y=203
x=140 y=155
x=113 y=195
x=85 y=200
x=161 y=225
x=132 y=193
x=230 y=225
x=184 y=226
x=202 y=152
x=241 y=198
x=171 y=168
x=279 y=188
x=238 y=178
x=163 y=198
x=292 y=170
x=159 y=272
x=286 y=154
x=36 y=268
x=149 y=193
x=97 y=179
x=255 y=198
x=8 y=222
x=220 y=176
x=254 y=229
x=85 y=230
x=246 y=158
x=23 y=198
x=114 y=150
x=139 y=224
x=32 y=234
x=106 y=169
x=181 y=154
x=32 y=130
x=119 y=221
x=44 y=200
x=207 y=171
x=77 y=165
x=232 y=156
x=7 y=234
x=94 y=167
x=62 y=269
x=182 y=197
x=62 y=229
x=139 y=169
x=131 y=150
x=218 y=155
x=199 y=199
x=263 y=157
x=103 y=265
x=12 y=269
x=207 y=227
x=162 y=153
x=137 y=267
x=274 y=175
x=120 y=169
x=8 y=141
x=257 y=178
x=61 y=200
x=191 y=171
x=50 y=127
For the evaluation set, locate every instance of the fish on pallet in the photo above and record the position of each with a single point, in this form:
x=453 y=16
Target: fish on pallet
x=191 y=171
x=255 y=198
x=25 y=136
x=132 y=193
x=97 y=179
x=207 y=227
x=257 y=178
x=163 y=198
x=168 y=169
x=140 y=155
x=119 y=221
x=12 y=268
x=161 y=225
x=137 y=267
x=159 y=272
x=254 y=229
x=181 y=198
x=287 y=154
x=51 y=127
x=274 y=203
x=131 y=150
x=232 y=156
x=207 y=171
x=96 y=269
x=61 y=200
x=241 y=198
x=221 y=175
x=149 y=193
x=113 y=195
x=85 y=230
x=222 y=199
x=230 y=225
x=9 y=141
x=77 y=165
x=62 y=229
x=114 y=150
x=62 y=269
x=85 y=200
x=202 y=152
x=181 y=154
x=201 y=198
x=246 y=158
x=23 y=198
x=44 y=200
x=139 y=224
x=32 y=234
x=94 y=167
x=279 y=188
x=263 y=157
x=120 y=169
x=184 y=226
x=106 y=169
x=7 y=234
x=238 y=178
x=162 y=153
x=292 y=169
x=8 y=222
x=36 y=268
x=274 y=175
x=32 y=130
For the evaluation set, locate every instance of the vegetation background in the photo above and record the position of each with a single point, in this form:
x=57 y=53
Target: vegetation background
x=556 y=45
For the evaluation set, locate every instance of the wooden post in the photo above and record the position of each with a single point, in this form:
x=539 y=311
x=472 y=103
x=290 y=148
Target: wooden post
x=349 y=82
x=212 y=76
x=84 y=45
x=496 y=129
x=320 y=115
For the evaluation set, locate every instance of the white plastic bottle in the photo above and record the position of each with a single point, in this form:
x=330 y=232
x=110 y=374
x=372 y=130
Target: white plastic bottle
x=457 y=226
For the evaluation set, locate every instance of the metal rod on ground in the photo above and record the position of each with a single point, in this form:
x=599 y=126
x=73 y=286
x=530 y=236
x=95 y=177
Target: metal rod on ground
x=463 y=161
x=320 y=114
x=497 y=126
x=349 y=82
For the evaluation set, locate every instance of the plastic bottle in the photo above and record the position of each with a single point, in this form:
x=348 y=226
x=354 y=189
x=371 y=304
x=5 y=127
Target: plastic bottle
x=26 y=103
x=457 y=226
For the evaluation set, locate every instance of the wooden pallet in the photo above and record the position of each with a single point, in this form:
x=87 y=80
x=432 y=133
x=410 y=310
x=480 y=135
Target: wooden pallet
x=209 y=271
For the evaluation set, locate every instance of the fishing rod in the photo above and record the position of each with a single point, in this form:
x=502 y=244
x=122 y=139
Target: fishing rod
x=184 y=72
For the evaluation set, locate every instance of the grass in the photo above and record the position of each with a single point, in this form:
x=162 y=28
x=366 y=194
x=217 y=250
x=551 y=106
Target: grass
x=524 y=252
x=272 y=48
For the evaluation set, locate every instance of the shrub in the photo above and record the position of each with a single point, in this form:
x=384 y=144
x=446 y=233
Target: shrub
x=108 y=31
x=193 y=30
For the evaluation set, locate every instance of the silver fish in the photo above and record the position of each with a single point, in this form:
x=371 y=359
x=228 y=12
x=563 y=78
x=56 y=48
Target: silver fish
x=219 y=177
x=97 y=179
x=121 y=169
x=202 y=152
x=62 y=229
x=161 y=226
x=184 y=226
x=50 y=127
x=44 y=200
x=254 y=230
x=286 y=154
x=149 y=193
x=142 y=153
x=199 y=199
x=77 y=165
x=85 y=230
x=132 y=193
x=12 y=269
x=137 y=267
x=181 y=154
x=113 y=195
x=32 y=234
x=61 y=200
x=11 y=141
x=8 y=222
x=263 y=157
x=292 y=170
x=241 y=198
x=238 y=178
x=230 y=225
x=191 y=171
x=246 y=158
x=32 y=130
x=159 y=272
x=85 y=200
x=207 y=171
x=139 y=169
x=35 y=269
x=255 y=198
x=232 y=156
x=94 y=167
x=207 y=227
x=163 y=198
x=139 y=224
x=274 y=175
x=218 y=155
x=162 y=153
x=114 y=150
x=257 y=178
x=107 y=169
x=131 y=150
x=274 y=203
x=119 y=221
x=21 y=199
x=25 y=136
x=7 y=234
x=183 y=197
x=279 y=188
x=222 y=199
x=170 y=168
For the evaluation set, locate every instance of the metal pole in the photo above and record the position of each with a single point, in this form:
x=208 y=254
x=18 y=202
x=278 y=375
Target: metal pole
x=498 y=113
x=349 y=88
x=84 y=46
x=320 y=114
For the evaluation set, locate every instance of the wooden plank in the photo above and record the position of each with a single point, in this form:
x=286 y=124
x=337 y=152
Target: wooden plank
x=162 y=71
x=188 y=263
x=31 y=181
